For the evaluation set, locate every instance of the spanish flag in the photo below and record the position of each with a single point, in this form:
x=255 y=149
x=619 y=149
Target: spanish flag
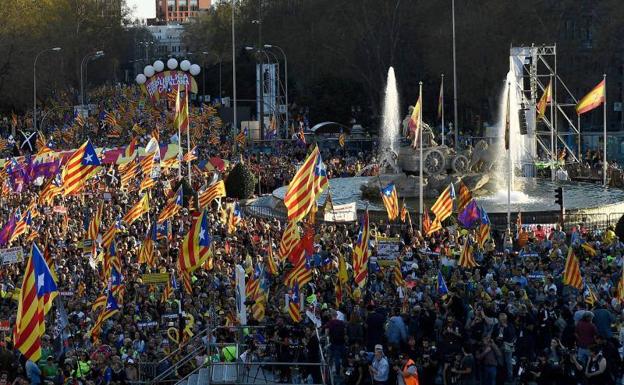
x=544 y=100
x=593 y=99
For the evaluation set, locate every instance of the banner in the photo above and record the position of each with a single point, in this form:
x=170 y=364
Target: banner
x=155 y=278
x=163 y=82
x=388 y=250
x=11 y=255
x=342 y=213
x=241 y=309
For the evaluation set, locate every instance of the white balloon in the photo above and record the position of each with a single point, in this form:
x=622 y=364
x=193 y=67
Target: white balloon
x=185 y=65
x=148 y=71
x=141 y=79
x=195 y=69
x=159 y=65
x=172 y=64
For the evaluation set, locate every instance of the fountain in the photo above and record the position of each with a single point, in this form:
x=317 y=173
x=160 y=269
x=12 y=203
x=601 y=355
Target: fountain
x=482 y=168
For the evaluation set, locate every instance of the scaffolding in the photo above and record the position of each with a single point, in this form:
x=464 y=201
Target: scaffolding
x=539 y=67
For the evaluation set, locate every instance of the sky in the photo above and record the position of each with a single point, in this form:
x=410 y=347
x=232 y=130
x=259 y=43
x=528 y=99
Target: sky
x=142 y=9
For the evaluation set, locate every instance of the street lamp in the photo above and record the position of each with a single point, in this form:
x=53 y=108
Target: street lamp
x=84 y=62
x=285 y=77
x=55 y=49
x=218 y=57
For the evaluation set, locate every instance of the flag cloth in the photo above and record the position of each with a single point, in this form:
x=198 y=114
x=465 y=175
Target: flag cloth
x=305 y=186
x=572 y=271
x=391 y=201
x=544 y=101
x=435 y=226
x=80 y=166
x=196 y=244
x=140 y=208
x=360 y=253
x=589 y=296
x=109 y=310
x=128 y=174
x=146 y=251
x=167 y=292
x=294 y=303
x=290 y=237
x=130 y=149
x=443 y=207
x=441 y=100
x=94 y=224
x=30 y=322
x=22 y=225
x=181 y=118
x=414 y=122
x=441 y=285
x=620 y=287
x=342 y=139
x=109 y=235
x=426 y=221
x=404 y=212
x=191 y=155
x=147 y=164
x=464 y=197
x=593 y=99
x=234 y=218
x=483 y=233
x=271 y=265
x=99 y=302
x=470 y=215
x=466 y=258
x=214 y=191
x=173 y=206
x=301 y=273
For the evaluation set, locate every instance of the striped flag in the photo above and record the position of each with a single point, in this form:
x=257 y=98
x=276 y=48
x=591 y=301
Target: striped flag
x=435 y=226
x=404 y=212
x=397 y=276
x=214 y=191
x=483 y=232
x=342 y=139
x=294 y=304
x=426 y=221
x=94 y=224
x=290 y=237
x=181 y=118
x=241 y=138
x=305 y=187
x=270 y=259
x=593 y=99
x=109 y=235
x=414 y=122
x=443 y=207
x=186 y=282
x=466 y=258
x=167 y=292
x=110 y=309
x=163 y=230
x=589 y=296
x=22 y=225
x=544 y=101
x=146 y=251
x=173 y=206
x=128 y=173
x=235 y=217
x=30 y=322
x=572 y=271
x=147 y=164
x=42 y=147
x=80 y=166
x=140 y=208
x=391 y=201
x=110 y=119
x=360 y=253
x=301 y=273
x=464 y=197
x=147 y=183
x=99 y=302
x=196 y=244
x=130 y=149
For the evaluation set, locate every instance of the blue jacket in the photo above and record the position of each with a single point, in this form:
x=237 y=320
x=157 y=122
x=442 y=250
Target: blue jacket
x=33 y=373
x=397 y=331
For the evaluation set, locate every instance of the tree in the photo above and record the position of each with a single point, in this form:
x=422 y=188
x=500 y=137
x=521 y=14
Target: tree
x=240 y=182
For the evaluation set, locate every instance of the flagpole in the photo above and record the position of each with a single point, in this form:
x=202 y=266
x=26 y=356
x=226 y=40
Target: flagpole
x=442 y=107
x=553 y=156
x=188 y=135
x=508 y=145
x=179 y=138
x=604 y=131
x=420 y=160
x=454 y=78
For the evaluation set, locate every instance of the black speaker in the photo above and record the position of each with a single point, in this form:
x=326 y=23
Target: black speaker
x=522 y=121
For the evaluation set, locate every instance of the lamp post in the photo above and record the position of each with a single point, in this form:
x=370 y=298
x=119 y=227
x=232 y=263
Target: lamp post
x=219 y=58
x=235 y=120
x=83 y=63
x=285 y=77
x=55 y=49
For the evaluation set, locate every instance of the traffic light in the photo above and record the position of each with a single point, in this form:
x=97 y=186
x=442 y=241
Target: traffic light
x=559 y=196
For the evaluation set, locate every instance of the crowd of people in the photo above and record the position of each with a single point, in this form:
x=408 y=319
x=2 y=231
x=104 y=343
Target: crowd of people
x=421 y=320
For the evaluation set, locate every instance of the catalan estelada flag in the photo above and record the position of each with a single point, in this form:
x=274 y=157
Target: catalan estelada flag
x=214 y=191
x=361 y=252
x=146 y=251
x=544 y=100
x=290 y=237
x=443 y=207
x=572 y=271
x=270 y=259
x=294 y=303
x=305 y=187
x=94 y=224
x=109 y=310
x=301 y=273
x=173 y=206
x=190 y=156
x=464 y=197
x=80 y=166
x=593 y=99
x=442 y=289
x=391 y=201
x=196 y=244
x=483 y=232
x=30 y=322
x=136 y=211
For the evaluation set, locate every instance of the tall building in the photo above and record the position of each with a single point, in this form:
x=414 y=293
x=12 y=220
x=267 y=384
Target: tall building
x=179 y=11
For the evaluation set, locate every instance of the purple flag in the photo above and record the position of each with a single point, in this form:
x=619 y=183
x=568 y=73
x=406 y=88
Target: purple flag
x=7 y=231
x=470 y=215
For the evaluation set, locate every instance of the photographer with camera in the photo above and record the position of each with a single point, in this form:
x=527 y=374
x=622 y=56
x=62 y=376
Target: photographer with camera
x=379 y=368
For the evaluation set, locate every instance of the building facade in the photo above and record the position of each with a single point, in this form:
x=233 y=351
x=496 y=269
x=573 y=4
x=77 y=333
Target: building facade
x=179 y=11
x=168 y=40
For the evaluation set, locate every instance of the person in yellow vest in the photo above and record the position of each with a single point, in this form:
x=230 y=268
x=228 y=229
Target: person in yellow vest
x=408 y=374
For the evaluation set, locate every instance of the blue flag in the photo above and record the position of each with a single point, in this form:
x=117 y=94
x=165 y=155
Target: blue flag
x=43 y=276
x=470 y=215
x=442 y=289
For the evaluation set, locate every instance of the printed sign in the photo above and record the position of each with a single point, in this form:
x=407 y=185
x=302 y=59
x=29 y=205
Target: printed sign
x=60 y=209
x=388 y=250
x=163 y=82
x=5 y=326
x=342 y=213
x=11 y=255
x=155 y=278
